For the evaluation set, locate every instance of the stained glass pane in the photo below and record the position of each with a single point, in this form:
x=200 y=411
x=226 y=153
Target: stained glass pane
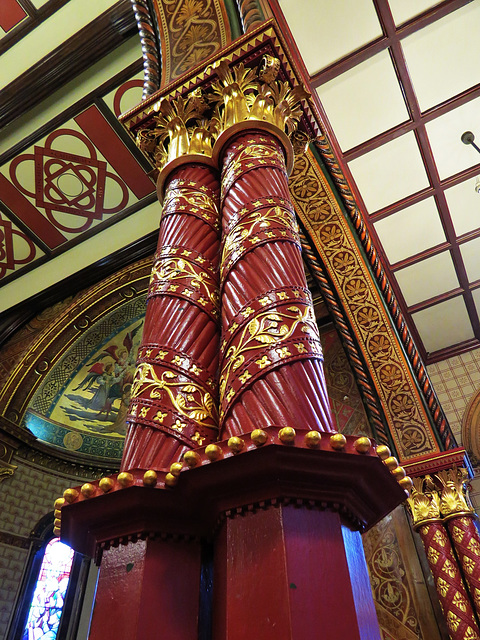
x=49 y=594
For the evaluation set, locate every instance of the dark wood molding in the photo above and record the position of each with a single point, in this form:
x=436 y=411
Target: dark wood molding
x=454 y=350
x=35 y=17
x=67 y=61
x=12 y=319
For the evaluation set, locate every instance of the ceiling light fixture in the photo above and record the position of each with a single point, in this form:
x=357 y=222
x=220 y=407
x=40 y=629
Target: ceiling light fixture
x=468 y=138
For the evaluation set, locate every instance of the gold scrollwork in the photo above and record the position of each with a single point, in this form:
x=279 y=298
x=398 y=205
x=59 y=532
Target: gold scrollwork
x=267 y=328
x=171 y=269
x=257 y=219
x=187 y=397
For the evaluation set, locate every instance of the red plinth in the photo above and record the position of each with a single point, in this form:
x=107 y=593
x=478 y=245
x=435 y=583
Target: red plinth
x=283 y=573
x=283 y=520
x=148 y=589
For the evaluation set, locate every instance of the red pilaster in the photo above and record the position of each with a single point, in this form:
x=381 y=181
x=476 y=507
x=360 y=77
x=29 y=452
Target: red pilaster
x=282 y=573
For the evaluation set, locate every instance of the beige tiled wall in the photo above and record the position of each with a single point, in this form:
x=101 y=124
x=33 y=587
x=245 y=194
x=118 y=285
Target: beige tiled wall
x=456 y=381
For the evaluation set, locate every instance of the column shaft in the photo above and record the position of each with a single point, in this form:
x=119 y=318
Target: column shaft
x=173 y=404
x=449 y=584
x=466 y=541
x=271 y=360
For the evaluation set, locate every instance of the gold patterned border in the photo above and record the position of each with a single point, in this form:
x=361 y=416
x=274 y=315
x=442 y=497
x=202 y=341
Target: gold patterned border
x=334 y=240
x=190 y=31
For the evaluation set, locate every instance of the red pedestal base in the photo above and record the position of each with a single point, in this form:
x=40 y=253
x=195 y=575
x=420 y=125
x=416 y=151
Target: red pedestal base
x=148 y=589
x=286 y=573
x=283 y=521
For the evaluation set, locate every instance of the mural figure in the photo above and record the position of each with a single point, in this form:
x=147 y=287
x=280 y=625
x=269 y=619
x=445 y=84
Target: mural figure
x=99 y=399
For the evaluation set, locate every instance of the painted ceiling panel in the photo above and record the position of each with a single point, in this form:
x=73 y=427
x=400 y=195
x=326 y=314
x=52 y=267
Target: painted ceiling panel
x=444 y=133
x=403 y=10
x=471 y=258
x=47 y=36
x=422 y=280
x=444 y=324
x=464 y=205
x=389 y=173
x=364 y=101
x=411 y=230
x=439 y=57
x=326 y=31
x=11 y=15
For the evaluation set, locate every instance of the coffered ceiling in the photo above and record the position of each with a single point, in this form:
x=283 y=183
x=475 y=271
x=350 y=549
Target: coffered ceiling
x=396 y=83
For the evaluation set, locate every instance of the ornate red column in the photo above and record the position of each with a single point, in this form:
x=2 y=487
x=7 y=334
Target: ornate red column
x=281 y=497
x=456 y=605
x=460 y=519
x=271 y=353
x=174 y=395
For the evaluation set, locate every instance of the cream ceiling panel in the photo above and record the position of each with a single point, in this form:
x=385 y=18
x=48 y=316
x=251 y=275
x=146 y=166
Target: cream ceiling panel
x=389 y=173
x=410 y=231
x=464 y=205
x=427 y=278
x=444 y=324
x=444 y=133
x=441 y=56
x=95 y=248
x=351 y=24
x=471 y=258
x=364 y=101
x=403 y=10
x=48 y=35
x=476 y=299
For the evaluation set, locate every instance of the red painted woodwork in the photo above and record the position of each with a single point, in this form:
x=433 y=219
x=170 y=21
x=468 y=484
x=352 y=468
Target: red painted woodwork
x=148 y=589
x=100 y=132
x=11 y=13
x=456 y=605
x=466 y=541
x=178 y=356
x=271 y=363
x=282 y=573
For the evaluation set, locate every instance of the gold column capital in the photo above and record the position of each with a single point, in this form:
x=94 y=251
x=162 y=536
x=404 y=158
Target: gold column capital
x=424 y=502
x=440 y=496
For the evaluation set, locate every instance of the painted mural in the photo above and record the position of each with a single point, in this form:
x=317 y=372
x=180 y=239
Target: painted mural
x=82 y=404
x=96 y=398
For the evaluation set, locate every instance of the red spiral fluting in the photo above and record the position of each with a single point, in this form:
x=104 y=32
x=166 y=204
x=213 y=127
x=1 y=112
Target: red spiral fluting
x=178 y=326
x=285 y=393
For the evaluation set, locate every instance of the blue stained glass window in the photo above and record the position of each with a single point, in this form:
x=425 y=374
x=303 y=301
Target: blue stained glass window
x=48 y=597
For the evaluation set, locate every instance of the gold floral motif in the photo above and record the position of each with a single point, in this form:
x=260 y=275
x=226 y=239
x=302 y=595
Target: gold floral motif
x=453 y=621
x=423 y=502
x=256 y=220
x=468 y=564
x=433 y=555
x=442 y=586
x=453 y=497
x=168 y=269
x=198 y=438
x=242 y=97
x=449 y=568
x=457 y=534
x=470 y=634
x=192 y=30
x=459 y=601
x=439 y=538
x=267 y=328
x=188 y=398
x=195 y=199
x=474 y=546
